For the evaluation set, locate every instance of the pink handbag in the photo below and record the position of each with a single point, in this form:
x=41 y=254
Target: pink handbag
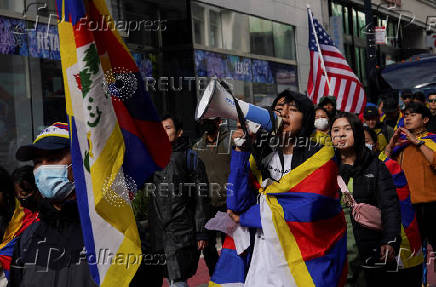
x=365 y=214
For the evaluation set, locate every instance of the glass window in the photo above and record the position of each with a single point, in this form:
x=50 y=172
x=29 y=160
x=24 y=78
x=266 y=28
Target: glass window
x=336 y=9
x=235 y=31
x=357 y=67
x=355 y=25
x=241 y=90
x=392 y=33
x=144 y=32
x=215 y=40
x=284 y=41
x=362 y=24
x=198 y=23
x=34 y=7
x=15 y=111
x=348 y=53
x=14 y=5
x=363 y=65
x=346 y=23
x=53 y=94
x=261 y=37
x=264 y=94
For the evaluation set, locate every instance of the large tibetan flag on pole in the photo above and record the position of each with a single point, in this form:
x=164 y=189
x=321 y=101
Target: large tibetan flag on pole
x=117 y=140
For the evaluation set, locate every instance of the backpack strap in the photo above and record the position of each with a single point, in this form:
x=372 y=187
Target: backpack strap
x=191 y=160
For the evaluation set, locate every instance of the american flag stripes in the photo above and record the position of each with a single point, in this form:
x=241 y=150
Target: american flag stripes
x=330 y=74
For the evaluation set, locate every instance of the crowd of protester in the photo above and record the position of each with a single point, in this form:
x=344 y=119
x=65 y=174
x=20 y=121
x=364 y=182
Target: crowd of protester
x=39 y=213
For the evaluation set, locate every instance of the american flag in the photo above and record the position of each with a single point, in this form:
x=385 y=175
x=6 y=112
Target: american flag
x=330 y=74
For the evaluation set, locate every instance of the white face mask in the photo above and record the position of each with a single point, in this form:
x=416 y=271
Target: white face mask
x=370 y=146
x=322 y=124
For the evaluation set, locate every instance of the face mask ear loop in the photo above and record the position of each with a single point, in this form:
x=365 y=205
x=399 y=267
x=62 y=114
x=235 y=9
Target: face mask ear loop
x=70 y=165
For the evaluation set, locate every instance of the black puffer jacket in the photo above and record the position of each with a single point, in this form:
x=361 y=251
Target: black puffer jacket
x=49 y=253
x=178 y=212
x=373 y=184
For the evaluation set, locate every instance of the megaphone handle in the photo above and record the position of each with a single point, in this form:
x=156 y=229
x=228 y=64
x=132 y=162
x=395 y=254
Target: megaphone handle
x=241 y=119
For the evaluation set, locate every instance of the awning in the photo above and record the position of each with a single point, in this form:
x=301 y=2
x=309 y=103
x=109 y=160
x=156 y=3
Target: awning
x=410 y=74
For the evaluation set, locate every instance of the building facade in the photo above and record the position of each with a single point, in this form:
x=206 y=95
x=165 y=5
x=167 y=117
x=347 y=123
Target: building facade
x=407 y=26
x=260 y=46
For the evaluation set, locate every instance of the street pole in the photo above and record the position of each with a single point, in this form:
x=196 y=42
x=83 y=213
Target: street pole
x=371 y=53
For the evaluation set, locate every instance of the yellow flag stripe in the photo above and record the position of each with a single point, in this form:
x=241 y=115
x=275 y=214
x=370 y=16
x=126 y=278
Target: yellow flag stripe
x=297 y=265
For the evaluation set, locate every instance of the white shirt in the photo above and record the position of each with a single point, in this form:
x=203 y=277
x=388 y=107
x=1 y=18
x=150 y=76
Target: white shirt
x=274 y=166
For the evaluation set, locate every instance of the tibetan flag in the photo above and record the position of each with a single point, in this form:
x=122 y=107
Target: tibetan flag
x=411 y=247
x=428 y=138
x=231 y=268
x=21 y=219
x=303 y=226
x=117 y=140
x=302 y=216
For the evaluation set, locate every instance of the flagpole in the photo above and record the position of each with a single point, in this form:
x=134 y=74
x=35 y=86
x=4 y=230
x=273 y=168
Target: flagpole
x=319 y=48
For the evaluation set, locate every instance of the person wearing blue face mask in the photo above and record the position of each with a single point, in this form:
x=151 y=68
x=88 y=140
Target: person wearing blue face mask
x=51 y=251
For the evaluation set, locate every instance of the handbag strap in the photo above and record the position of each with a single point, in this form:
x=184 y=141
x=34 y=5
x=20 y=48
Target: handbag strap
x=344 y=189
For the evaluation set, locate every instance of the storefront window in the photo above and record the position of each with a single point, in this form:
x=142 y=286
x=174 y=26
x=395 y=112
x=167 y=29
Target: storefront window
x=261 y=37
x=15 y=110
x=235 y=31
x=284 y=41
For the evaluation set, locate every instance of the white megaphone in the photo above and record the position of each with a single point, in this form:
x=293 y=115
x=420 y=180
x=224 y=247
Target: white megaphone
x=218 y=102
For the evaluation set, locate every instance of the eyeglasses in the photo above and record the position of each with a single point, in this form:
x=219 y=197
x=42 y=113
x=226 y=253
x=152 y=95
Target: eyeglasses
x=432 y=101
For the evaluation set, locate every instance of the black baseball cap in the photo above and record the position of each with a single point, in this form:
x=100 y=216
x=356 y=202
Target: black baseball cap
x=52 y=138
x=370 y=112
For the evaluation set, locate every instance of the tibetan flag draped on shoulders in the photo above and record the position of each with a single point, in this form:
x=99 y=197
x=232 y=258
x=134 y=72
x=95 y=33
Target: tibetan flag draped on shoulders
x=302 y=216
x=21 y=219
x=303 y=237
x=117 y=140
x=410 y=254
x=428 y=138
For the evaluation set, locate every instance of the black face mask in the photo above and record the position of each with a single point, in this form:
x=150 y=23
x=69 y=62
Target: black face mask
x=29 y=202
x=209 y=127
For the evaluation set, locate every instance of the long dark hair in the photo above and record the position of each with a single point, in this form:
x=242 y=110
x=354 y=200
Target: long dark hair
x=7 y=189
x=24 y=174
x=358 y=133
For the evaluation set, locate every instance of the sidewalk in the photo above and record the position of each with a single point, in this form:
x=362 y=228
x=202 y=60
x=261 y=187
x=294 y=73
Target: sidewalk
x=201 y=278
